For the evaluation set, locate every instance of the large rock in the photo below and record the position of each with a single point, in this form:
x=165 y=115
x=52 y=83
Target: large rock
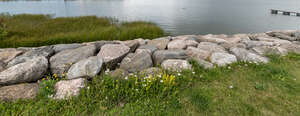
x=281 y=36
x=251 y=44
x=2 y=66
x=205 y=64
x=271 y=39
x=211 y=38
x=62 y=61
x=28 y=71
x=135 y=62
x=177 y=44
x=45 y=51
x=89 y=67
x=20 y=91
x=211 y=47
x=99 y=44
x=160 y=43
x=8 y=54
x=263 y=50
x=182 y=43
x=245 y=55
x=197 y=53
x=68 y=88
x=147 y=48
x=292 y=47
x=61 y=47
x=132 y=44
x=113 y=54
x=161 y=55
x=296 y=35
x=176 y=65
x=222 y=59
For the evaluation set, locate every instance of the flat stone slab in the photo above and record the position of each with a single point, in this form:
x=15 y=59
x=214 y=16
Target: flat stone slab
x=69 y=88
x=20 y=91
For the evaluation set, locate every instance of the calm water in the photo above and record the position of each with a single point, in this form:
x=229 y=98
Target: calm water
x=175 y=16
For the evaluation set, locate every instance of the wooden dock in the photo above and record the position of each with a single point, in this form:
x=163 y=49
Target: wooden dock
x=287 y=13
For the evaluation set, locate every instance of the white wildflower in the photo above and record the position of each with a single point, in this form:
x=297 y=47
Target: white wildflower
x=161 y=81
x=179 y=74
x=126 y=78
x=144 y=85
x=193 y=72
x=230 y=87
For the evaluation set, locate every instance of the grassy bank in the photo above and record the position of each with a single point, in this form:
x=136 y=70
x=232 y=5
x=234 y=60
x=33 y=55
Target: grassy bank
x=240 y=89
x=39 y=30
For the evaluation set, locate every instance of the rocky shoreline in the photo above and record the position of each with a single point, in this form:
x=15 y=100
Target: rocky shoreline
x=22 y=68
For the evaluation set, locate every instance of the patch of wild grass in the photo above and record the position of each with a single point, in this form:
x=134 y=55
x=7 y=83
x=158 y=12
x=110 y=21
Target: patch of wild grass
x=242 y=88
x=39 y=30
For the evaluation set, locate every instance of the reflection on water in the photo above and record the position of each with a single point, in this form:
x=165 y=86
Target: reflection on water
x=175 y=16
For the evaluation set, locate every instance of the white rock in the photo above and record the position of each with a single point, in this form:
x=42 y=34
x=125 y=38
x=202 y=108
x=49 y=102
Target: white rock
x=68 y=88
x=245 y=55
x=176 y=65
x=222 y=59
x=89 y=67
x=28 y=71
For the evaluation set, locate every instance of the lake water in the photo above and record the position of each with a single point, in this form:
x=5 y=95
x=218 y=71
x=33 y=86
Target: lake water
x=175 y=16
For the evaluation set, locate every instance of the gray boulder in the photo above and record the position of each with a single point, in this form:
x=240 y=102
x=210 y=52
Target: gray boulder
x=177 y=44
x=69 y=88
x=147 y=48
x=61 y=47
x=20 y=91
x=211 y=47
x=31 y=53
x=99 y=44
x=9 y=54
x=176 y=65
x=2 y=66
x=62 y=61
x=197 y=53
x=113 y=54
x=160 y=43
x=132 y=44
x=28 y=71
x=263 y=50
x=245 y=55
x=291 y=48
x=222 y=59
x=135 y=62
x=182 y=43
x=296 y=35
x=251 y=44
x=89 y=67
x=161 y=55
x=205 y=64
x=281 y=36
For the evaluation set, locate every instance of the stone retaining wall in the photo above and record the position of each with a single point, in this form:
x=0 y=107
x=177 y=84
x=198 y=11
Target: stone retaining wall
x=21 y=68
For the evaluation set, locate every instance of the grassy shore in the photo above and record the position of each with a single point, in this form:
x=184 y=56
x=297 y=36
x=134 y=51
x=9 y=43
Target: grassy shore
x=38 y=30
x=240 y=89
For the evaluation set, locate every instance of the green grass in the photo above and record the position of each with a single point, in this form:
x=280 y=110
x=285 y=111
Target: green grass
x=38 y=30
x=241 y=89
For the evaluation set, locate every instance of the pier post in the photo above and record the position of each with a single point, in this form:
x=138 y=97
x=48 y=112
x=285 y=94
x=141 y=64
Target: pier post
x=286 y=13
x=298 y=14
x=274 y=11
